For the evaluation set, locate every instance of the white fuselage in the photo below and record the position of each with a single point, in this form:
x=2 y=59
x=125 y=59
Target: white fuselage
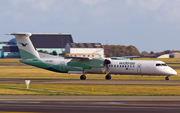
x=137 y=67
x=131 y=67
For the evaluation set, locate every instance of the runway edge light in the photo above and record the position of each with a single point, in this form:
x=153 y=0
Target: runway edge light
x=27 y=83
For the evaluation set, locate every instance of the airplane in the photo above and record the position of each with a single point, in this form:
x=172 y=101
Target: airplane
x=88 y=65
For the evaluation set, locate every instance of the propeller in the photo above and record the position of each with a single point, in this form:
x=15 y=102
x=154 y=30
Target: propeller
x=105 y=69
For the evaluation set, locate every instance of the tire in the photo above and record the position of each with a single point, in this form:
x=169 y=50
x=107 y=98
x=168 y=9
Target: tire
x=108 y=77
x=83 y=77
x=167 y=78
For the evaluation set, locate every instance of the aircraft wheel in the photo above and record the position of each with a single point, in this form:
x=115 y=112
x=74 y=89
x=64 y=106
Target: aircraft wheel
x=83 y=77
x=167 y=78
x=108 y=77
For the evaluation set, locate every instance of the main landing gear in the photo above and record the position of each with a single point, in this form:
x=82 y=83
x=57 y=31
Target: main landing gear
x=167 y=78
x=83 y=77
x=108 y=77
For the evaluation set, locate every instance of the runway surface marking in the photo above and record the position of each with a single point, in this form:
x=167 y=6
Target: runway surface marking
x=123 y=104
x=95 y=106
x=89 y=107
x=77 y=106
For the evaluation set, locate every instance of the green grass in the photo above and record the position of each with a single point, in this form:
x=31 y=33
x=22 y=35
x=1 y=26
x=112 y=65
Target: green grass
x=174 y=65
x=78 y=89
x=9 y=60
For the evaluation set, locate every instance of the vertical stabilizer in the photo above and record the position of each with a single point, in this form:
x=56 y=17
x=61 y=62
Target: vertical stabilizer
x=25 y=46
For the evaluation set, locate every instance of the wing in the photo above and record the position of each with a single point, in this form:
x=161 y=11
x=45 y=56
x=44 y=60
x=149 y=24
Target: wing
x=77 y=58
x=124 y=58
x=131 y=56
x=86 y=62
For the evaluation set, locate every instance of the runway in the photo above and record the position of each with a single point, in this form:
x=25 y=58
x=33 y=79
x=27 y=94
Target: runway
x=113 y=82
x=89 y=104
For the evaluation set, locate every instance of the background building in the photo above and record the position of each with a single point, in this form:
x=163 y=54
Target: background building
x=84 y=50
x=163 y=56
x=10 y=52
x=51 y=42
x=11 y=42
x=174 y=55
x=171 y=55
x=45 y=42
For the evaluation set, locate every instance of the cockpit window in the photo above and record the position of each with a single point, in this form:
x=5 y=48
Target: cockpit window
x=158 y=64
x=164 y=64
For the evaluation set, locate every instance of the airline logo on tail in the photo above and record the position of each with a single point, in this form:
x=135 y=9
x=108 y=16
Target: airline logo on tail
x=24 y=45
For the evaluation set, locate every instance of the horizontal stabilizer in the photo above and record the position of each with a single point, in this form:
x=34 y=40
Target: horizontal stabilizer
x=20 y=34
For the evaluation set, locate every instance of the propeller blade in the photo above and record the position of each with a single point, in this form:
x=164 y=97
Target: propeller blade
x=105 y=69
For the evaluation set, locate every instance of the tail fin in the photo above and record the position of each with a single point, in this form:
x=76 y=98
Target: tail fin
x=25 y=46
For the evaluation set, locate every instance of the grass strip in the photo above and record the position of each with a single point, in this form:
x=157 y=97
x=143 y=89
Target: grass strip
x=41 y=90
x=79 y=89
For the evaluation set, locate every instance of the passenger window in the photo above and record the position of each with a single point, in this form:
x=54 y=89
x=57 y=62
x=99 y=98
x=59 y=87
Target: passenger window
x=117 y=65
x=111 y=65
x=114 y=65
x=120 y=66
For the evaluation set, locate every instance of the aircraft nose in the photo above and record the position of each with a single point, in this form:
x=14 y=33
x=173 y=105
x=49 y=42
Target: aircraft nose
x=172 y=72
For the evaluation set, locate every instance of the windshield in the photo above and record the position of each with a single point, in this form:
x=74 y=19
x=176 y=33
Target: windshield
x=164 y=64
x=161 y=64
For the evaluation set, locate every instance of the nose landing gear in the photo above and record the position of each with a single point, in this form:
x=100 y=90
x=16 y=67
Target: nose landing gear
x=167 y=78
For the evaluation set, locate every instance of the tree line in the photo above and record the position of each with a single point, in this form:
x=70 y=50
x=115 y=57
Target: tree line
x=120 y=50
x=156 y=54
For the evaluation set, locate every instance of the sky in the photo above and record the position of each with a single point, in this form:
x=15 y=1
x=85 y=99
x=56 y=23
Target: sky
x=149 y=25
